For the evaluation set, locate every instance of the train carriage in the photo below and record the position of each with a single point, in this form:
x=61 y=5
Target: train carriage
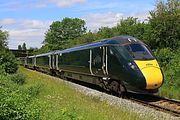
x=30 y=62
x=117 y=64
x=45 y=62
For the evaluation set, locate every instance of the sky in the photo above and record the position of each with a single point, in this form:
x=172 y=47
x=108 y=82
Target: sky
x=28 y=20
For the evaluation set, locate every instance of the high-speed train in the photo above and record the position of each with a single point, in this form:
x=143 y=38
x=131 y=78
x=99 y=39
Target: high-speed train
x=119 y=64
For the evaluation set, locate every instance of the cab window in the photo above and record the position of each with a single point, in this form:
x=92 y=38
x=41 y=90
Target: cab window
x=139 y=52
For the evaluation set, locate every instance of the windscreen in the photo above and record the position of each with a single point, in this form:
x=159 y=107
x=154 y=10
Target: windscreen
x=139 y=52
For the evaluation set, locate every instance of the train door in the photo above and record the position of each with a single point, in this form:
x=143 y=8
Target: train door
x=56 y=62
x=25 y=61
x=52 y=61
x=98 y=60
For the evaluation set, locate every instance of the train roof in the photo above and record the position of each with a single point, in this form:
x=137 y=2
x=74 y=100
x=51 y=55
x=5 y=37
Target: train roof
x=30 y=56
x=119 y=40
x=45 y=54
x=40 y=55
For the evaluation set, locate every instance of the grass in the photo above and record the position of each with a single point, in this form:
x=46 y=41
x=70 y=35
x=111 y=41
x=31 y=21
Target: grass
x=172 y=93
x=59 y=101
x=170 y=89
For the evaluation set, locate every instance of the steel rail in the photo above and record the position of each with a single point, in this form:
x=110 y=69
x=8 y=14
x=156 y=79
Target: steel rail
x=160 y=103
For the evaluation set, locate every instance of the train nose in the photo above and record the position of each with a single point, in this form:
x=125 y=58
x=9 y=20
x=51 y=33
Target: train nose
x=152 y=73
x=153 y=77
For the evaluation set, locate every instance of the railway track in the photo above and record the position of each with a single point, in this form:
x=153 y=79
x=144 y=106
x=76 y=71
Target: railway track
x=163 y=104
x=156 y=102
x=153 y=101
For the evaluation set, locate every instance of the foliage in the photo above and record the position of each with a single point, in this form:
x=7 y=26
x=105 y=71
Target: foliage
x=43 y=49
x=165 y=27
x=130 y=26
x=8 y=61
x=164 y=56
x=171 y=67
x=18 y=78
x=165 y=37
x=84 y=39
x=16 y=102
x=133 y=27
x=105 y=32
x=24 y=46
x=60 y=32
x=2 y=71
x=60 y=101
x=161 y=30
x=19 y=47
x=3 y=39
x=34 y=90
x=173 y=70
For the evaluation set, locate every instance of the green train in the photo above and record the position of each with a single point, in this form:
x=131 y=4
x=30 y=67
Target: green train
x=120 y=64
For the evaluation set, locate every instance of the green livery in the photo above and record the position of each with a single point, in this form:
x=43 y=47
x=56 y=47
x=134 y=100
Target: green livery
x=117 y=64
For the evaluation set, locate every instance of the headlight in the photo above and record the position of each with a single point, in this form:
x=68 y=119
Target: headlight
x=133 y=65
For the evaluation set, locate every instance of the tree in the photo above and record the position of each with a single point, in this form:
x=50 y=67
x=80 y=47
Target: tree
x=88 y=37
x=165 y=24
x=8 y=62
x=19 y=47
x=3 y=38
x=43 y=49
x=24 y=46
x=32 y=50
x=61 y=32
x=129 y=26
x=105 y=32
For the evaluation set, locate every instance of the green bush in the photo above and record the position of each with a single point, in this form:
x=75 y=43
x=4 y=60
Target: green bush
x=172 y=71
x=164 y=56
x=170 y=62
x=8 y=62
x=15 y=102
x=18 y=78
x=2 y=71
x=15 y=105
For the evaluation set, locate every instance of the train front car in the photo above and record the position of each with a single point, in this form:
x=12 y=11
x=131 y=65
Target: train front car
x=143 y=74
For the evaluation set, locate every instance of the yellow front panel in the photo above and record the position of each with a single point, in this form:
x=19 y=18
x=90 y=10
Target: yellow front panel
x=151 y=72
x=146 y=63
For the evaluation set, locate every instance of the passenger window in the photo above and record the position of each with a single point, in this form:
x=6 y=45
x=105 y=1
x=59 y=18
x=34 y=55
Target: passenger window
x=97 y=60
x=97 y=57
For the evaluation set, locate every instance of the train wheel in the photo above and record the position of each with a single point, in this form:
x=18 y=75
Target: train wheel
x=117 y=89
x=122 y=91
x=62 y=76
x=104 y=85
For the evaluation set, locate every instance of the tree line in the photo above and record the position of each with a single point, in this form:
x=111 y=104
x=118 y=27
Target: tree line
x=161 y=30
